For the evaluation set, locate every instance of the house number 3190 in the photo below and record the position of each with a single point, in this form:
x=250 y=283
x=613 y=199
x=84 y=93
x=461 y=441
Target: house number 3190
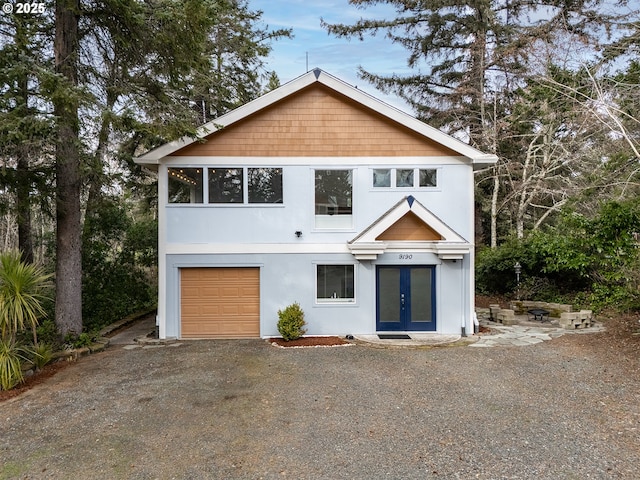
x=405 y=256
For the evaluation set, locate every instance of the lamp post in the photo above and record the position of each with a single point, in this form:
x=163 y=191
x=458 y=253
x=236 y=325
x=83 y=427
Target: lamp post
x=518 y=269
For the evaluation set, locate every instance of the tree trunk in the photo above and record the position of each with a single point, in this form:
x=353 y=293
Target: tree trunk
x=23 y=190
x=23 y=153
x=494 y=208
x=68 y=309
x=96 y=174
x=478 y=72
x=23 y=206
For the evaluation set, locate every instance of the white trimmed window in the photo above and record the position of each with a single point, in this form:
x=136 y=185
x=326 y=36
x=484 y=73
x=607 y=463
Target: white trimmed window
x=405 y=178
x=185 y=185
x=264 y=185
x=334 y=198
x=428 y=177
x=226 y=185
x=335 y=283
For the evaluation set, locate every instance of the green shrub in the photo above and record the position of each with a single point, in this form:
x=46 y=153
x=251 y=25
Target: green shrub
x=41 y=355
x=71 y=340
x=593 y=261
x=48 y=333
x=119 y=253
x=291 y=323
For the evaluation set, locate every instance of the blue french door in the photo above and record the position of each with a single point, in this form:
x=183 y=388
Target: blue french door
x=405 y=298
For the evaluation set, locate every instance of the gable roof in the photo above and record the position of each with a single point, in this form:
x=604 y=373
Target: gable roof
x=310 y=78
x=367 y=245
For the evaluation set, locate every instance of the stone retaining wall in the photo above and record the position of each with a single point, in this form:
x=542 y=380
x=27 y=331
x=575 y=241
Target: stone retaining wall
x=555 y=309
x=567 y=319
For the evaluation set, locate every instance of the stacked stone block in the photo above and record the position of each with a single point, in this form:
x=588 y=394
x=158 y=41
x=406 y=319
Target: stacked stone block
x=506 y=316
x=576 y=320
x=494 y=309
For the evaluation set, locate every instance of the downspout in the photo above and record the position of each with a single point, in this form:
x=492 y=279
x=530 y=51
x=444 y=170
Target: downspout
x=464 y=295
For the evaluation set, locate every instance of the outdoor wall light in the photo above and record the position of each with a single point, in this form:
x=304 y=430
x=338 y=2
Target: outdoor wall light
x=298 y=233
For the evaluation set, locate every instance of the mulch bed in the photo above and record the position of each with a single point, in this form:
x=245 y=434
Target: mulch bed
x=31 y=381
x=310 y=342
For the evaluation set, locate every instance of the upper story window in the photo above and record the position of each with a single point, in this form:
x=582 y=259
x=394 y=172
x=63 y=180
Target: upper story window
x=225 y=185
x=185 y=185
x=428 y=177
x=405 y=177
x=333 y=198
x=382 y=177
x=265 y=185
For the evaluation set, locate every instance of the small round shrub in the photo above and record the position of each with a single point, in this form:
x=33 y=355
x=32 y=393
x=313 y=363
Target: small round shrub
x=291 y=323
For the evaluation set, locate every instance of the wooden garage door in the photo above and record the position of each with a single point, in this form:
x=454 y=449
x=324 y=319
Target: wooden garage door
x=220 y=302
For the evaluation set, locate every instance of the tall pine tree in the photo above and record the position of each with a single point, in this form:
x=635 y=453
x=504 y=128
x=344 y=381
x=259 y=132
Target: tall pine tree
x=464 y=52
x=25 y=123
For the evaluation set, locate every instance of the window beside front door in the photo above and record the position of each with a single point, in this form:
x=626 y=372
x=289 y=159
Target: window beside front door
x=335 y=283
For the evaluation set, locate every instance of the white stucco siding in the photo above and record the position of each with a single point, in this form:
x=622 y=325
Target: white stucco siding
x=277 y=223
x=288 y=278
x=284 y=279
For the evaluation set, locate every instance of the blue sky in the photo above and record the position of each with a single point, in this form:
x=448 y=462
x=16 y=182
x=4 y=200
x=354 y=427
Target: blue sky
x=339 y=57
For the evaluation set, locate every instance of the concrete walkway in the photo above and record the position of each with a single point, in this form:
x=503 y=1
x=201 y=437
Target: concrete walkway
x=522 y=335
x=416 y=340
x=137 y=329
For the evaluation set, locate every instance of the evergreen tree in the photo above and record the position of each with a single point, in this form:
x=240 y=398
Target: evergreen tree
x=464 y=52
x=25 y=123
x=125 y=75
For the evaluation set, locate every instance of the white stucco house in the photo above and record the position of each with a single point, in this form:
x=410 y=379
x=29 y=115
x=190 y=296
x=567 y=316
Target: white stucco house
x=320 y=194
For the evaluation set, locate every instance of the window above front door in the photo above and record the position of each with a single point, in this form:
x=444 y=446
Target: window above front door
x=334 y=198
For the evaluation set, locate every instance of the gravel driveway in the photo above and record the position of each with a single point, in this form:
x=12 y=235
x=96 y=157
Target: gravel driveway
x=244 y=409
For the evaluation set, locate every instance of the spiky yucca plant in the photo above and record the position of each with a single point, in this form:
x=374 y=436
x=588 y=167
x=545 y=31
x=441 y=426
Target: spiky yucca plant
x=10 y=364
x=22 y=293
